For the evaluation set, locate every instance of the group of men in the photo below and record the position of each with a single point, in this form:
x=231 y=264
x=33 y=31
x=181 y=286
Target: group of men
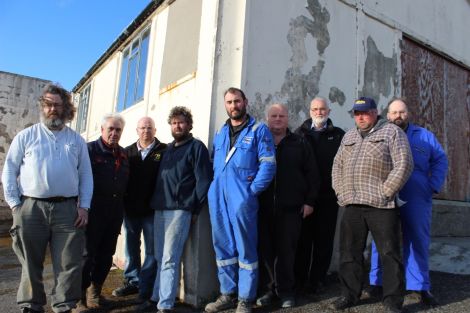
x=273 y=198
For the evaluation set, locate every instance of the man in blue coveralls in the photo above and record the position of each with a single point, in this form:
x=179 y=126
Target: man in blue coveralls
x=430 y=169
x=244 y=165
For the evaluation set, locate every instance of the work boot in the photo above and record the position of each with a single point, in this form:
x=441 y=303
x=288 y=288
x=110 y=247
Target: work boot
x=94 y=300
x=372 y=292
x=244 y=307
x=425 y=297
x=223 y=302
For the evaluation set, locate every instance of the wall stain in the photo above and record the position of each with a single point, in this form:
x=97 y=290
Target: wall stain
x=3 y=110
x=379 y=71
x=299 y=88
x=4 y=133
x=336 y=95
x=25 y=113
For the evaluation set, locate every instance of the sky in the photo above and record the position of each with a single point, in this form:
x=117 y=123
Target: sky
x=60 y=40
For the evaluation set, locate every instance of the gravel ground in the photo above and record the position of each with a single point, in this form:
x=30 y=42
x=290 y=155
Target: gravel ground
x=453 y=292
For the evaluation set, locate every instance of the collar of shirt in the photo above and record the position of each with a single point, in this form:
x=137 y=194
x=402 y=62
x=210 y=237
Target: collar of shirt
x=319 y=129
x=145 y=151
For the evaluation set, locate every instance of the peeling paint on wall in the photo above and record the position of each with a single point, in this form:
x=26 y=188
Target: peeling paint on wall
x=299 y=88
x=336 y=95
x=380 y=72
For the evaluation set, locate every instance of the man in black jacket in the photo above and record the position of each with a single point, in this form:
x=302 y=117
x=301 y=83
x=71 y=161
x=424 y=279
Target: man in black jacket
x=144 y=160
x=289 y=198
x=110 y=175
x=318 y=230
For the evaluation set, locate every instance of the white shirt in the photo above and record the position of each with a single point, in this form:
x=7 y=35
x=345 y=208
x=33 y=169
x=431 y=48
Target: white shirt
x=145 y=151
x=44 y=164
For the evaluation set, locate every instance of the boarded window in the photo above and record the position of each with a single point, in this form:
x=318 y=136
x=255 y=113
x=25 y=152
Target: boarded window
x=181 y=41
x=438 y=93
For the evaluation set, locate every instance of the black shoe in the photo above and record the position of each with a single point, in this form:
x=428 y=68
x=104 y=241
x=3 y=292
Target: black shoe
x=391 y=308
x=146 y=306
x=372 y=292
x=265 y=299
x=125 y=290
x=341 y=303
x=29 y=310
x=223 y=302
x=425 y=297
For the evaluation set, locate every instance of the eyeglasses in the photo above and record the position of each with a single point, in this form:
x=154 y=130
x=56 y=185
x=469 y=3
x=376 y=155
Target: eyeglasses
x=50 y=105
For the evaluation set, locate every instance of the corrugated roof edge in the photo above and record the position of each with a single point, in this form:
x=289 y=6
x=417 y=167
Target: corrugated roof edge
x=135 y=24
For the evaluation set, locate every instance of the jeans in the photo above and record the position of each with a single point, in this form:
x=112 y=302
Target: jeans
x=136 y=273
x=36 y=224
x=171 y=232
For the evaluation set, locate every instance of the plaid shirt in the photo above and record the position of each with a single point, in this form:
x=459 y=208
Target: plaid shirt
x=371 y=170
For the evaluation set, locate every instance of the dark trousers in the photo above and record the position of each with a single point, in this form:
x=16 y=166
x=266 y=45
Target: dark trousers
x=384 y=225
x=101 y=238
x=316 y=242
x=278 y=236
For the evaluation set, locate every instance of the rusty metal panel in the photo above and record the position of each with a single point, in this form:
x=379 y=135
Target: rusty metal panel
x=439 y=100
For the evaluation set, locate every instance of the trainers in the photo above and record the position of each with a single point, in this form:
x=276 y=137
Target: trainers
x=371 y=292
x=341 y=303
x=125 y=290
x=266 y=299
x=244 y=307
x=223 y=302
x=288 y=302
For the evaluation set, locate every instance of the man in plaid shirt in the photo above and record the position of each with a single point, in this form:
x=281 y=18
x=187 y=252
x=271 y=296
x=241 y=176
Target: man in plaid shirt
x=373 y=162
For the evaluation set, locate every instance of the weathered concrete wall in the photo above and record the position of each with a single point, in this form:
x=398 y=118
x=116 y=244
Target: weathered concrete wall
x=18 y=110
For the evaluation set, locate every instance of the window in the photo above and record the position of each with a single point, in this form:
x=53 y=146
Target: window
x=133 y=69
x=83 y=109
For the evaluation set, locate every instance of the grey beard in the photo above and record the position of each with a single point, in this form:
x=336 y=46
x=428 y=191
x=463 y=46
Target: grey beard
x=319 y=121
x=52 y=123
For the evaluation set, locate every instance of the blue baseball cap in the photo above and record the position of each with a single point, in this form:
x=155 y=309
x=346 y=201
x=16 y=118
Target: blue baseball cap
x=364 y=104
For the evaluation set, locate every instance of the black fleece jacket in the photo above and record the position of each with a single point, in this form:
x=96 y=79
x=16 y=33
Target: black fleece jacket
x=325 y=144
x=142 y=179
x=297 y=180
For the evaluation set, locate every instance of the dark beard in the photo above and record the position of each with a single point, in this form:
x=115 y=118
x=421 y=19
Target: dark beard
x=180 y=137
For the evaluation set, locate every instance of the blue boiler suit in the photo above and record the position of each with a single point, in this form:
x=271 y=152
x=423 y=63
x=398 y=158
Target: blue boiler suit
x=241 y=173
x=429 y=173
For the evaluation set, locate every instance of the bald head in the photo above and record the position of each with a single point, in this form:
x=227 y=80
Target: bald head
x=146 y=131
x=397 y=113
x=277 y=117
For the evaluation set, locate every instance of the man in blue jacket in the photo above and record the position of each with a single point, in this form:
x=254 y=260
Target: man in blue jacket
x=430 y=169
x=244 y=165
x=180 y=193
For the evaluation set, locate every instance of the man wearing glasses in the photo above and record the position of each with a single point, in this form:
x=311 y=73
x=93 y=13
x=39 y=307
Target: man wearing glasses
x=48 y=184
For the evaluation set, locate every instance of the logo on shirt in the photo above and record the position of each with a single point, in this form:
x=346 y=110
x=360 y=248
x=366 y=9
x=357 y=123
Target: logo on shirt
x=247 y=139
x=157 y=156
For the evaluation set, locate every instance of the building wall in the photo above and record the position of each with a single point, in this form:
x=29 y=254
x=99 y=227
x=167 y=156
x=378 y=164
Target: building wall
x=18 y=110
x=280 y=51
